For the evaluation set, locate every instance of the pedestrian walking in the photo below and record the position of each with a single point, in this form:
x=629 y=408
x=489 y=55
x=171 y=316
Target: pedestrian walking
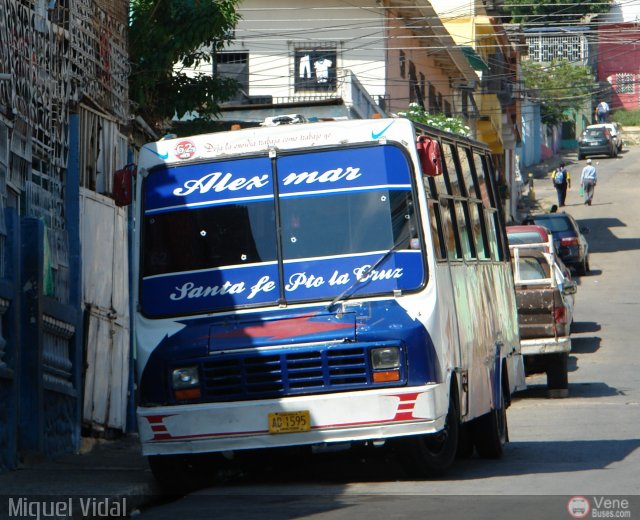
x=588 y=181
x=561 y=182
x=601 y=112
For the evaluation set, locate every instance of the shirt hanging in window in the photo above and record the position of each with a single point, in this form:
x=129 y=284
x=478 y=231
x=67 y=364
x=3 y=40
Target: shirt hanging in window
x=315 y=69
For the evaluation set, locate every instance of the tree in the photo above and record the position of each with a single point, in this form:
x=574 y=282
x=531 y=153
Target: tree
x=559 y=85
x=558 y=12
x=167 y=36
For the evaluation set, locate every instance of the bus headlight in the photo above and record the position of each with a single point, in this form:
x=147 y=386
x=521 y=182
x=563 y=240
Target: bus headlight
x=385 y=358
x=185 y=377
x=186 y=383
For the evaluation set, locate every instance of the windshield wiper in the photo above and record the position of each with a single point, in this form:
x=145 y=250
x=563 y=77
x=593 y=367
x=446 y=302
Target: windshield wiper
x=364 y=274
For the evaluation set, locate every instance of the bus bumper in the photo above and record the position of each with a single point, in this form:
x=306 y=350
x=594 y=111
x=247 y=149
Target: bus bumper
x=352 y=416
x=535 y=347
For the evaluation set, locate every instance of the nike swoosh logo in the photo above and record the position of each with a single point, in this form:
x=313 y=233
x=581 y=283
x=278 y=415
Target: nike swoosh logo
x=164 y=156
x=377 y=135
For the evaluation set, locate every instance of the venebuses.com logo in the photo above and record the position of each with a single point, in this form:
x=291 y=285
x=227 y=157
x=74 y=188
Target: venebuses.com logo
x=578 y=507
x=598 y=507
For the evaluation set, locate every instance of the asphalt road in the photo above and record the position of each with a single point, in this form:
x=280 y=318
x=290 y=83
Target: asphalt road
x=586 y=445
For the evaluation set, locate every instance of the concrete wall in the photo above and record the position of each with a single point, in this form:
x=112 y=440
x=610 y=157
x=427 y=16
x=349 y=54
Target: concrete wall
x=270 y=31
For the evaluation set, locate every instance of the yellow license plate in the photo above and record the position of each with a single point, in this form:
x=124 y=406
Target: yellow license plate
x=289 y=422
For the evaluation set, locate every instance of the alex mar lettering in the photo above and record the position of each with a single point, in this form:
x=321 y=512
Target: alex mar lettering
x=219 y=181
x=349 y=173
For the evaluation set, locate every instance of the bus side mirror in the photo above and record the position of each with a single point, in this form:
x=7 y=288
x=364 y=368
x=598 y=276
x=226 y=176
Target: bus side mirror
x=123 y=185
x=430 y=156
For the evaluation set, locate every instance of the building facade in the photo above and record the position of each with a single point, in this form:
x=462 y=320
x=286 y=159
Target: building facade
x=499 y=123
x=577 y=45
x=63 y=115
x=343 y=59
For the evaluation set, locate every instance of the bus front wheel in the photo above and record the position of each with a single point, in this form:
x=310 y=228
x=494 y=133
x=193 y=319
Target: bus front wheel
x=181 y=474
x=490 y=432
x=431 y=455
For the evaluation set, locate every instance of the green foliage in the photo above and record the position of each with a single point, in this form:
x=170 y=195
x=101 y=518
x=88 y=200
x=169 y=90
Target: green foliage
x=561 y=86
x=552 y=11
x=626 y=117
x=165 y=33
x=449 y=124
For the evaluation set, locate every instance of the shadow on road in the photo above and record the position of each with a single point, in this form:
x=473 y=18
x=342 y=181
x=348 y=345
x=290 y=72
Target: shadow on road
x=585 y=345
x=579 y=327
x=537 y=389
x=602 y=237
x=543 y=457
x=384 y=464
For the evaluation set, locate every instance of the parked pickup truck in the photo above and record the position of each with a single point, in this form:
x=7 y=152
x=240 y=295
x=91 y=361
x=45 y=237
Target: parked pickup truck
x=545 y=298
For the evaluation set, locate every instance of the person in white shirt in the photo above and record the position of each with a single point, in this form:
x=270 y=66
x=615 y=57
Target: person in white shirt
x=588 y=181
x=601 y=111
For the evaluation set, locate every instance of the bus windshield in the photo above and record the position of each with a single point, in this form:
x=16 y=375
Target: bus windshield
x=218 y=235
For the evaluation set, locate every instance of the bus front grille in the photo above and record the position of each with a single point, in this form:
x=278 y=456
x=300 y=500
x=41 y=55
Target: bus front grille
x=246 y=376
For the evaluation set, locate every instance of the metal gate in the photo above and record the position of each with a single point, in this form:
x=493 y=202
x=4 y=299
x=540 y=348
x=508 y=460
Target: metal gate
x=105 y=282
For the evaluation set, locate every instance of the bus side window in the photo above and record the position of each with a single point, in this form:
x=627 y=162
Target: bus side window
x=465 y=230
x=437 y=233
x=438 y=184
x=500 y=233
x=435 y=218
x=450 y=167
x=455 y=173
x=469 y=162
x=486 y=193
x=450 y=228
x=448 y=212
x=491 y=220
x=469 y=175
x=484 y=173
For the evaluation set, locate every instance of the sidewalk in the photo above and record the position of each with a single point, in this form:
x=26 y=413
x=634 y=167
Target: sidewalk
x=109 y=476
x=544 y=194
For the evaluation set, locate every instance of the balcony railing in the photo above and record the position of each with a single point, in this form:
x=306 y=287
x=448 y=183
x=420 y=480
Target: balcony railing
x=350 y=92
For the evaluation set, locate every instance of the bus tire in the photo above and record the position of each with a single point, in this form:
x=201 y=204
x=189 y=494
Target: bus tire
x=181 y=474
x=431 y=455
x=465 y=442
x=490 y=431
x=558 y=374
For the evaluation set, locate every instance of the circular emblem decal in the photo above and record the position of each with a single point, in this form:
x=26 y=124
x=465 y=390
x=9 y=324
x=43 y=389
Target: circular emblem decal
x=579 y=507
x=185 y=149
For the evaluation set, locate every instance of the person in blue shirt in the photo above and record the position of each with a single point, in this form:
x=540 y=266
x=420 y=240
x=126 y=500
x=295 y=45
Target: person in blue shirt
x=588 y=181
x=561 y=181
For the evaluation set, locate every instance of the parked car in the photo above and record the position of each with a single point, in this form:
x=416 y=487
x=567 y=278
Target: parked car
x=545 y=300
x=568 y=238
x=528 y=234
x=616 y=132
x=538 y=237
x=596 y=141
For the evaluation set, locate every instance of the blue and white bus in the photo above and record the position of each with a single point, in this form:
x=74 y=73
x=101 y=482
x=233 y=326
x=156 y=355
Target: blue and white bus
x=320 y=283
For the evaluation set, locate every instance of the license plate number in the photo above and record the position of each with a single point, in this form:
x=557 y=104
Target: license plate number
x=289 y=422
